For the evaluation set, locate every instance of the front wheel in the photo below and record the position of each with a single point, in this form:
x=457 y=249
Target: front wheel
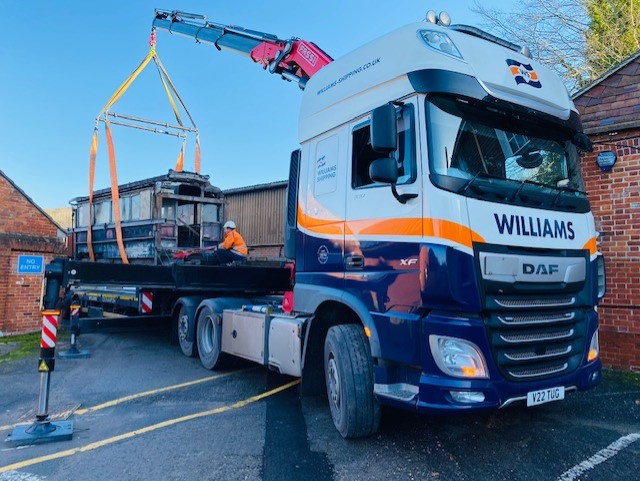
x=348 y=372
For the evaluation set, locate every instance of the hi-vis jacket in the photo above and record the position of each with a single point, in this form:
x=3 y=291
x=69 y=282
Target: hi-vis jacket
x=234 y=241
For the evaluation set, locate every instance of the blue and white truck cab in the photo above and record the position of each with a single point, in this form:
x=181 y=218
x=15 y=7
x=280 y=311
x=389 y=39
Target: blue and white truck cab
x=441 y=205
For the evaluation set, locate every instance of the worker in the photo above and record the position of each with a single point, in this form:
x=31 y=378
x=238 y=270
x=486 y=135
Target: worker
x=232 y=248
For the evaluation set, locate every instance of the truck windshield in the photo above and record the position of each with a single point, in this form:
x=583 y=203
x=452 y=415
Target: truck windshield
x=471 y=143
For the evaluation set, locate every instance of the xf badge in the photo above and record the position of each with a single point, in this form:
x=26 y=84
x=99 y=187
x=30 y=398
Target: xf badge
x=408 y=262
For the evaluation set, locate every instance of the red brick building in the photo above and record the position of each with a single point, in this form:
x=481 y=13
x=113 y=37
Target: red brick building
x=29 y=238
x=610 y=109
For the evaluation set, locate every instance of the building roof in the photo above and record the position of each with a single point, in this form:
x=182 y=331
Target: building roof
x=256 y=188
x=612 y=101
x=30 y=200
x=606 y=75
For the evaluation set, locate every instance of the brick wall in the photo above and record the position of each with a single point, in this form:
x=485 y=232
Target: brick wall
x=19 y=216
x=615 y=201
x=610 y=110
x=24 y=229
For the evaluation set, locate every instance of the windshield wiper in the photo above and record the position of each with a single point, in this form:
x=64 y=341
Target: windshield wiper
x=521 y=186
x=471 y=181
x=564 y=189
x=476 y=176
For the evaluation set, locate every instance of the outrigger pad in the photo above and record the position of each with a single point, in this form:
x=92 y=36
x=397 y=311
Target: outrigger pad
x=40 y=432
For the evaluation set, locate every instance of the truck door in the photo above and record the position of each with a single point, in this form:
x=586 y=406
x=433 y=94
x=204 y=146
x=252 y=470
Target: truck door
x=382 y=234
x=323 y=209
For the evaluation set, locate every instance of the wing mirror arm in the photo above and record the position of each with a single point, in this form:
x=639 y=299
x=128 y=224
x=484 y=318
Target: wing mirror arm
x=402 y=198
x=385 y=170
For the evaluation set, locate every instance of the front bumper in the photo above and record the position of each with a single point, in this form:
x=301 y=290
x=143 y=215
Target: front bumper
x=430 y=390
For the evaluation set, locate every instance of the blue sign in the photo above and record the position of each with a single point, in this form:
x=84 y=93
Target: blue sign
x=30 y=264
x=606 y=160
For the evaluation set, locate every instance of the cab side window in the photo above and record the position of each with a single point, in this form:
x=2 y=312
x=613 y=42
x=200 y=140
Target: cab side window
x=363 y=154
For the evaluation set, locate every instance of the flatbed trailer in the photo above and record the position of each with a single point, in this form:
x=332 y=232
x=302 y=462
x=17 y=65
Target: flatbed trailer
x=170 y=291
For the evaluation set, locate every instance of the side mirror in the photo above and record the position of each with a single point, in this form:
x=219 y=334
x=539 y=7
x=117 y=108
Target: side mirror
x=384 y=129
x=582 y=141
x=384 y=170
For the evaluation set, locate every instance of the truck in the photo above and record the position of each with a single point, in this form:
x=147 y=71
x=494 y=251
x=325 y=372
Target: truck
x=444 y=257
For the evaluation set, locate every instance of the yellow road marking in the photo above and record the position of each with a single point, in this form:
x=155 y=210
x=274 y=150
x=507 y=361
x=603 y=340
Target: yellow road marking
x=124 y=399
x=148 y=429
x=115 y=402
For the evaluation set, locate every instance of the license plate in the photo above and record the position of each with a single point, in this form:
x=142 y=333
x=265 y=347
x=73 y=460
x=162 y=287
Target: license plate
x=545 y=395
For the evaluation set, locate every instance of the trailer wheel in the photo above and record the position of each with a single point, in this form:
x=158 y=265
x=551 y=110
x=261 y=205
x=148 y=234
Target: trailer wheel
x=209 y=339
x=349 y=375
x=187 y=347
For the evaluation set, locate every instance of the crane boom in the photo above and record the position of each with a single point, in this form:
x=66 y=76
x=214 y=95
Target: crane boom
x=293 y=59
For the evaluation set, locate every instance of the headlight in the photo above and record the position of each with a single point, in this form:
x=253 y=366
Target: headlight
x=602 y=278
x=441 y=42
x=594 y=348
x=457 y=357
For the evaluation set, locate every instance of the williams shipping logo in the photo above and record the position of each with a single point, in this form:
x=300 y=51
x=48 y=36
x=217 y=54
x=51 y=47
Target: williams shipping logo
x=523 y=73
x=534 y=227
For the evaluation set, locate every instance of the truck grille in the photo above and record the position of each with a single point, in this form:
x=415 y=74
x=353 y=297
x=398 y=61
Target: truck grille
x=529 y=374
x=534 y=303
x=532 y=355
x=529 y=347
x=521 y=320
x=536 y=325
x=536 y=337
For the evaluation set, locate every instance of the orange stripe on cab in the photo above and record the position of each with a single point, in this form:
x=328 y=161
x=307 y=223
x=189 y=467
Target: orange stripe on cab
x=591 y=246
x=409 y=227
x=406 y=227
x=452 y=231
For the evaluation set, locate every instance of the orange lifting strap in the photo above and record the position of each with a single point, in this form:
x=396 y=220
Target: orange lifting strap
x=104 y=115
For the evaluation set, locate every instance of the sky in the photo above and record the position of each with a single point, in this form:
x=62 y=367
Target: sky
x=62 y=60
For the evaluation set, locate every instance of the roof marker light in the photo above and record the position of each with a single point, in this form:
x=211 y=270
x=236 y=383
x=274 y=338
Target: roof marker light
x=431 y=17
x=444 y=19
x=526 y=52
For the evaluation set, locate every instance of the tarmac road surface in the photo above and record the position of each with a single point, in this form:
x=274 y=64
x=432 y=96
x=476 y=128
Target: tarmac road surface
x=143 y=411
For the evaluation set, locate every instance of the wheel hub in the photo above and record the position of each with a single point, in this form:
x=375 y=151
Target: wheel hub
x=183 y=327
x=334 y=382
x=207 y=338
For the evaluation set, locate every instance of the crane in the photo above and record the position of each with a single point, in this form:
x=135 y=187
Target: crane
x=294 y=59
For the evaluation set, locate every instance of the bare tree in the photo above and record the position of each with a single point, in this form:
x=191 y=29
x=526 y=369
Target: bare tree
x=554 y=31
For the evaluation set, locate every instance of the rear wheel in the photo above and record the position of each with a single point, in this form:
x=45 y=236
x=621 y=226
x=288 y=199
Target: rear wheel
x=187 y=347
x=209 y=338
x=349 y=377
x=209 y=331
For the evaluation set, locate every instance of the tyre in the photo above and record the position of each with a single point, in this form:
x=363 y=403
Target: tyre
x=349 y=376
x=209 y=332
x=187 y=347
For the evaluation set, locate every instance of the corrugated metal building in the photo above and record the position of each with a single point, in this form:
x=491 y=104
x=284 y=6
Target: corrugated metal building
x=258 y=211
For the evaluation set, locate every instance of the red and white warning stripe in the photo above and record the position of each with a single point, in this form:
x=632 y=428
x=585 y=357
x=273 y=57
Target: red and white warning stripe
x=146 y=302
x=49 y=329
x=75 y=310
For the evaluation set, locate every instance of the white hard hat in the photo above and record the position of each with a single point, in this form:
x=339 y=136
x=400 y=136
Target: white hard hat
x=229 y=224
